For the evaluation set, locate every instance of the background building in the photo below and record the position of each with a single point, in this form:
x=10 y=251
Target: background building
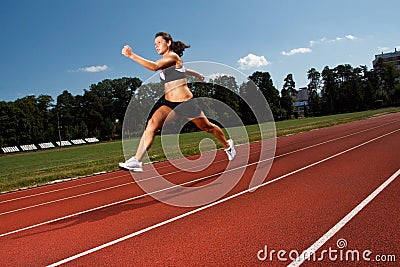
x=301 y=104
x=302 y=94
x=392 y=57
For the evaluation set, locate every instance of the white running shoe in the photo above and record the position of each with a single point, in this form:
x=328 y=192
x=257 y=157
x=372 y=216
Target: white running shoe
x=230 y=151
x=131 y=164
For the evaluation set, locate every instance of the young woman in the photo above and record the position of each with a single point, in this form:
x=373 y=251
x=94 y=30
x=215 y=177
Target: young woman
x=177 y=95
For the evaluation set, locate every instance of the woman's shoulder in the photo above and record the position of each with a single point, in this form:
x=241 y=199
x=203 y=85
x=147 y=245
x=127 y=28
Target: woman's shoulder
x=173 y=59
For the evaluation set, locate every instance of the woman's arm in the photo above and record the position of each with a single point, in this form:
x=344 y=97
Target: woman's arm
x=162 y=63
x=195 y=74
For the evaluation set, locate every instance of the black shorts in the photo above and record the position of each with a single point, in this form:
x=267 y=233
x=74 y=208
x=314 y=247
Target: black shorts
x=186 y=109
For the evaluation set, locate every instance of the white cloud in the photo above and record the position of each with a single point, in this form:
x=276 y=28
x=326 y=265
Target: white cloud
x=350 y=37
x=301 y=50
x=252 y=61
x=383 y=49
x=322 y=40
x=387 y=49
x=337 y=39
x=215 y=75
x=94 y=68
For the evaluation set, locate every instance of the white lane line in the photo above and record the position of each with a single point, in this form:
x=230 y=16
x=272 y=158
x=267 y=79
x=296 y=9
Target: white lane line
x=108 y=179
x=306 y=254
x=121 y=185
x=65 y=188
x=122 y=201
x=87 y=252
x=119 y=176
x=66 y=198
x=94 y=182
x=173 y=172
x=148 y=194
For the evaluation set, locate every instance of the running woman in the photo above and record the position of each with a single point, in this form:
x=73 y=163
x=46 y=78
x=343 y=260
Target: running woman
x=177 y=93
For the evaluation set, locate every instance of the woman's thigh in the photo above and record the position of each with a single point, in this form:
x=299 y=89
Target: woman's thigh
x=162 y=115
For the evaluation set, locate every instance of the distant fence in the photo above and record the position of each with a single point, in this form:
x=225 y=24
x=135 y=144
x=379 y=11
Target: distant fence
x=64 y=143
x=46 y=145
x=31 y=147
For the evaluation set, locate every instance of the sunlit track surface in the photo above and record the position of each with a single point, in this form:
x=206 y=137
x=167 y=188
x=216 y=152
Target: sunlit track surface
x=317 y=178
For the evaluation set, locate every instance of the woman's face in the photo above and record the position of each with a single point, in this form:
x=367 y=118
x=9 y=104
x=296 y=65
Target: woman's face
x=161 y=45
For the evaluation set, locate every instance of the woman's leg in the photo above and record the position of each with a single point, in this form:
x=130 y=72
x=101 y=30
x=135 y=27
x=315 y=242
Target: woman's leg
x=204 y=124
x=154 y=124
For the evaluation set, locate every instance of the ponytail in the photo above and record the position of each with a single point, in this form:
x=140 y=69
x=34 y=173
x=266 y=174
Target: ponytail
x=178 y=47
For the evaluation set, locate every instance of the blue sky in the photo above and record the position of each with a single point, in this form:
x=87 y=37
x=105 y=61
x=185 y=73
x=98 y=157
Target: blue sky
x=48 y=46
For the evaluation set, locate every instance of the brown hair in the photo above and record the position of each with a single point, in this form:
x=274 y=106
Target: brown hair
x=178 y=47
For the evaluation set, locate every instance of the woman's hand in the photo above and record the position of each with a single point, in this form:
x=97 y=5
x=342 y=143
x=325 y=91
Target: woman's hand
x=195 y=74
x=162 y=63
x=127 y=51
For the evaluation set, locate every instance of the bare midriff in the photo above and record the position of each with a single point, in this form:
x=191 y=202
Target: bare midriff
x=177 y=91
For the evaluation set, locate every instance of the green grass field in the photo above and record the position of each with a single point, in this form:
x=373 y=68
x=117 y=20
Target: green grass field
x=35 y=168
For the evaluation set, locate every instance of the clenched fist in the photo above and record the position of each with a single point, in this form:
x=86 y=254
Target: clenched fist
x=127 y=51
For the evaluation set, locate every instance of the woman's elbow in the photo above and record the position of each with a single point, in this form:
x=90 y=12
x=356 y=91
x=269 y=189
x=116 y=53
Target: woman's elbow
x=155 y=68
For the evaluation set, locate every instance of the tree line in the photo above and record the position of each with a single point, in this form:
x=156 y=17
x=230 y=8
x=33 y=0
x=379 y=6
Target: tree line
x=100 y=111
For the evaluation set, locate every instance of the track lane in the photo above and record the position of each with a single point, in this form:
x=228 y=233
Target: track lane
x=305 y=139
x=29 y=195
x=76 y=204
x=85 y=221
x=124 y=175
x=283 y=215
x=371 y=238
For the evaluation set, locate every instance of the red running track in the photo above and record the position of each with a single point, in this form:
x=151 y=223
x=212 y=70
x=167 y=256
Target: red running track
x=332 y=192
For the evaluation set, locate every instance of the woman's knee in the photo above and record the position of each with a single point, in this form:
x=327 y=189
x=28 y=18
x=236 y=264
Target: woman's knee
x=152 y=125
x=207 y=127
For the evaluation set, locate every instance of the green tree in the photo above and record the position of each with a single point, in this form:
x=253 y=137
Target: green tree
x=390 y=78
x=10 y=115
x=328 y=91
x=355 y=91
x=286 y=104
x=45 y=105
x=31 y=124
x=246 y=102
x=369 y=87
x=225 y=89
x=123 y=91
x=91 y=110
x=290 y=85
x=343 y=74
x=288 y=94
x=312 y=89
x=65 y=110
x=264 y=83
